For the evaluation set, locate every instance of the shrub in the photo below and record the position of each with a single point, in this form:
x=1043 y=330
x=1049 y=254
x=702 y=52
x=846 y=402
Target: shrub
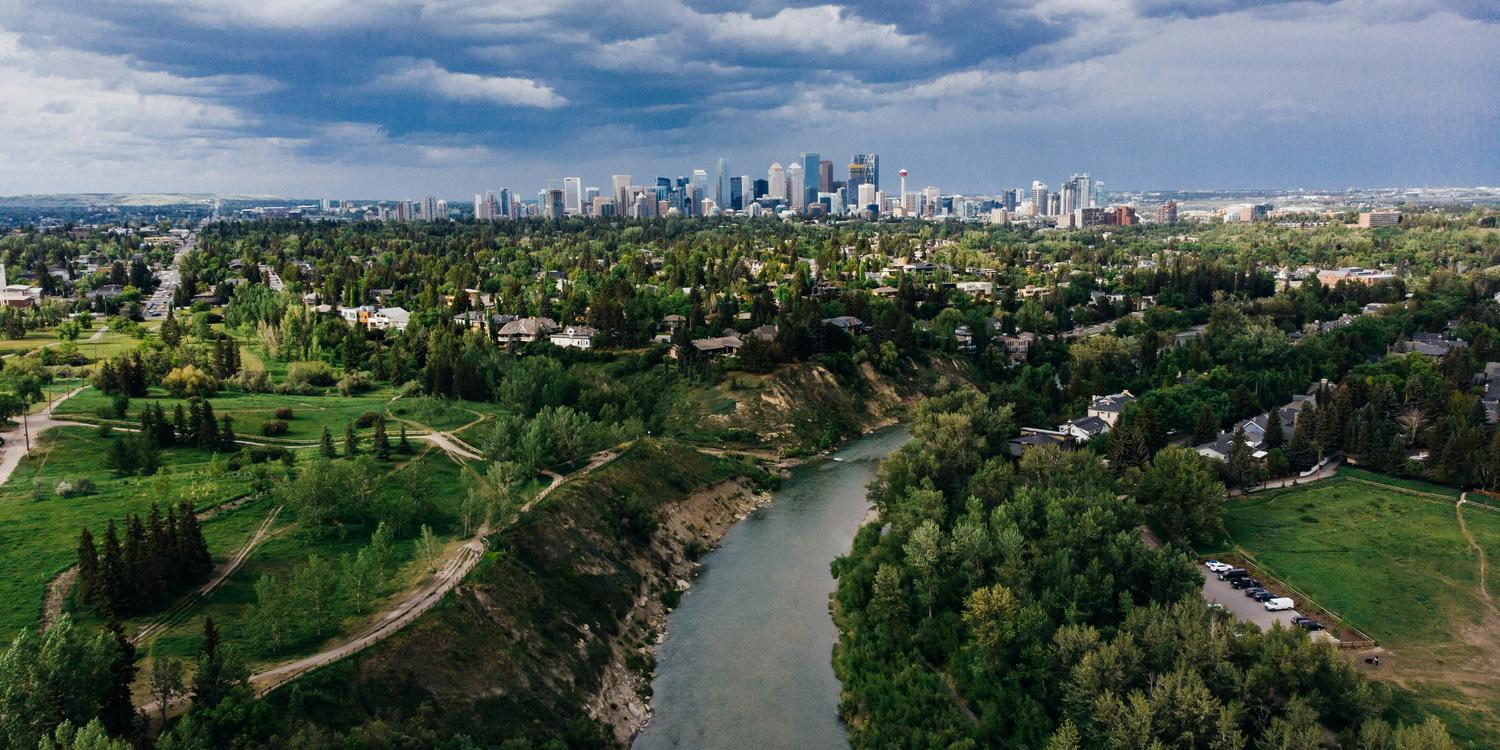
x=84 y=486
x=188 y=381
x=64 y=488
x=273 y=427
x=258 y=454
x=295 y=389
x=252 y=381
x=353 y=383
x=283 y=412
x=368 y=419
x=309 y=373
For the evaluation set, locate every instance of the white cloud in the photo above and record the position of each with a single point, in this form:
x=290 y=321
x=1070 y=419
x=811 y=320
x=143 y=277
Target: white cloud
x=822 y=29
x=427 y=77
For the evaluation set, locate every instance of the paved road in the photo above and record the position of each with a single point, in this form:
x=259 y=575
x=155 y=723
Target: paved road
x=1239 y=605
x=161 y=299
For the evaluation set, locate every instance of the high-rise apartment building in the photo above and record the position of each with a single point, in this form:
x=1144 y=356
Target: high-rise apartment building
x=1039 y=196
x=1166 y=213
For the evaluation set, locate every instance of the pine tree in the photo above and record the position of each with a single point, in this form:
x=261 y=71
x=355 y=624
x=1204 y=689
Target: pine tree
x=164 y=433
x=381 y=445
x=119 y=457
x=180 y=426
x=1206 y=426
x=112 y=574
x=88 y=567
x=1275 y=438
x=404 y=446
x=226 y=434
x=325 y=448
x=208 y=430
x=172 y=549
x=351 y=441
x=117 y=711
x=196 y=558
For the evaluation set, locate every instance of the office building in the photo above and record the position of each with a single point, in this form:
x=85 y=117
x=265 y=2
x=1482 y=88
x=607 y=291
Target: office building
x=776 y=181
x=572 y=196
x=864 y=169
x=721 y=192
x=810 y=169
x=1039 y=196
x=825 y=176
x=1372 y=219
x=796 y=187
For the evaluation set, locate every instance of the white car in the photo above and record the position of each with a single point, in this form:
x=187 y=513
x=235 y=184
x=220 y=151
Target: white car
x=1278 y=604
x=1217 y=566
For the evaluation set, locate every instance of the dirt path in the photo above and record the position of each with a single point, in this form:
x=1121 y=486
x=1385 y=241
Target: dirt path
x=180 y=610
x=57 y=592
x=1484 y=562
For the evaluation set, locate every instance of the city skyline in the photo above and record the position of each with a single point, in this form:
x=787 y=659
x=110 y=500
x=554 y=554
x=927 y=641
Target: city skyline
x=394 y=98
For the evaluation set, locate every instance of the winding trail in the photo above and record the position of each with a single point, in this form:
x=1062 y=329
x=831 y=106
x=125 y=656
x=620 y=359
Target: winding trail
x=1484 y=561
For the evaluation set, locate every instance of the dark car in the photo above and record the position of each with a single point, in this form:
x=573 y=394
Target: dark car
x=1262 y=595
x=1245 y=583
x=1310 y=625
x=1230 y=575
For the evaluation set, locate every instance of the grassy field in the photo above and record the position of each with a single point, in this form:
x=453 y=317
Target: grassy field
x=39 y=530
x=310 y=414
x=1393 y=559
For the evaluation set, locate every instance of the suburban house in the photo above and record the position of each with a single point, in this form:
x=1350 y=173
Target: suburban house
x=1300 y=407
x=475 y=319
x=1084 y=429
x=1432 y=345
x=1018 y=347
x=1032 y=437
x=389 y=317
x=575 y=337
x=715 y=346
x=766 y=333
x=1108 y=408
x=357 y=316
x=847 y=322
x=526 y=330
x=965 y=339
x=1332 y=276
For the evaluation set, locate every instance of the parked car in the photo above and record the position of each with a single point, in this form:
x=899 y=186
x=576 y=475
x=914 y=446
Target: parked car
x=1279 y=603
x=1308 y=623
x=1233 y=573
x=1260 y=595
x=1245 y=583
x=1217 y=566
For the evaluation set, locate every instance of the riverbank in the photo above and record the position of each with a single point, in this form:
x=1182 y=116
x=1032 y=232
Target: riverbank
x=746 y=659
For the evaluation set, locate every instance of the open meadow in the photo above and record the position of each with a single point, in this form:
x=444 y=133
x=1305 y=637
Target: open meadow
x=1402 y=561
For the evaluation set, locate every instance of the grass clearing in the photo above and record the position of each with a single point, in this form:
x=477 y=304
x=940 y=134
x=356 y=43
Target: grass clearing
x=310 y=414
x=1398 y=565
x=39 y=537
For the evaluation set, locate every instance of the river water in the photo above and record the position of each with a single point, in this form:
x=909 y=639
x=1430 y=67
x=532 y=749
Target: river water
x=747 y=658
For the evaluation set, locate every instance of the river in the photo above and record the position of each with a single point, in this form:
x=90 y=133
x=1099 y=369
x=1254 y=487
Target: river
x=747 y=661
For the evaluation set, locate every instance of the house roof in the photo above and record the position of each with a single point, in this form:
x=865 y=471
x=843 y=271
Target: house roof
x=1113 y=403
x=528 y=327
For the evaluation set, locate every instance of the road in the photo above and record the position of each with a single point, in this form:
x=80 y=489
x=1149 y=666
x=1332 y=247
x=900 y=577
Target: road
x=161 y=299
x=16 y=437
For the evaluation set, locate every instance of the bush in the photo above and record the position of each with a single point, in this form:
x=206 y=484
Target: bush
x=353 y=383
x=296 y=389
x=273 y=427
x=283 y=412
x=64 y=488
x=84 y=486
x=368 y=419
x=188 y=381
x=252 y=381
x=309 y=373
x=258 y=454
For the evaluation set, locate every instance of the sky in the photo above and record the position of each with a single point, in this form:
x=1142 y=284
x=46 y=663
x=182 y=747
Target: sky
x=402 y=98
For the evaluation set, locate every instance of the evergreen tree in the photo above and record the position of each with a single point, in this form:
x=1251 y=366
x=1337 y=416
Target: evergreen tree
x=117 y=711
x=180 y=426
x=325 y=448
x=1205 y=426
x=351 y=441
x=1241 y=461
x=165 y=436
x=118 y=457
x=88 y=567
x=112 y=573
x=194 y=548
x=1275 y=437
x=226 y=434
x=381 y=445
x=404 y=445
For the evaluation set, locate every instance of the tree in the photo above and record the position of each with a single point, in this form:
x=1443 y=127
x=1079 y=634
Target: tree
x=429 y=549
x=91 y=737
x=166 y=682
x=1275 y=437
x=1301 y=453
x=888 y=601
x=325 y=447
x=88 y=567
x=924 y=551
x=404 y=445
x=46 y=679
x=1184 y=501
x=1206 y=425
x=380 y=443
x=351 y=441
x=1241 y=465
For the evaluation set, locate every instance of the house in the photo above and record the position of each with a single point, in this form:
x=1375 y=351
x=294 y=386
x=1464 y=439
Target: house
x=357 y=316
x=1332 y=276
x=886 y=291
x=1018 y=347
x=1432 y=345
x=1183 y=338
x=1108 y=408
x=976 y=288
x=1084 y=429
x=766 y=333
x=526 y=330
x=672 y=322
x=390 y=317
x=715 y=346
x=1032 y=437
x=965 y=339
x=1255 y=429
x=575 y=337
x=846 y=322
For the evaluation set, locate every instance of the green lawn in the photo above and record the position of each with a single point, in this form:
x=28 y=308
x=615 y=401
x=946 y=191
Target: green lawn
x=39 y=537
x=310 y=414
x=1396 y=565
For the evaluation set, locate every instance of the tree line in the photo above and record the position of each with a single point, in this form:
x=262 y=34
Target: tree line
x=157 y=559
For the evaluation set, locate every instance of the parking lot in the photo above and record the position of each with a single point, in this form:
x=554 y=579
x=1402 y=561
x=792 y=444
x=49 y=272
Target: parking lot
x=1239 y=605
